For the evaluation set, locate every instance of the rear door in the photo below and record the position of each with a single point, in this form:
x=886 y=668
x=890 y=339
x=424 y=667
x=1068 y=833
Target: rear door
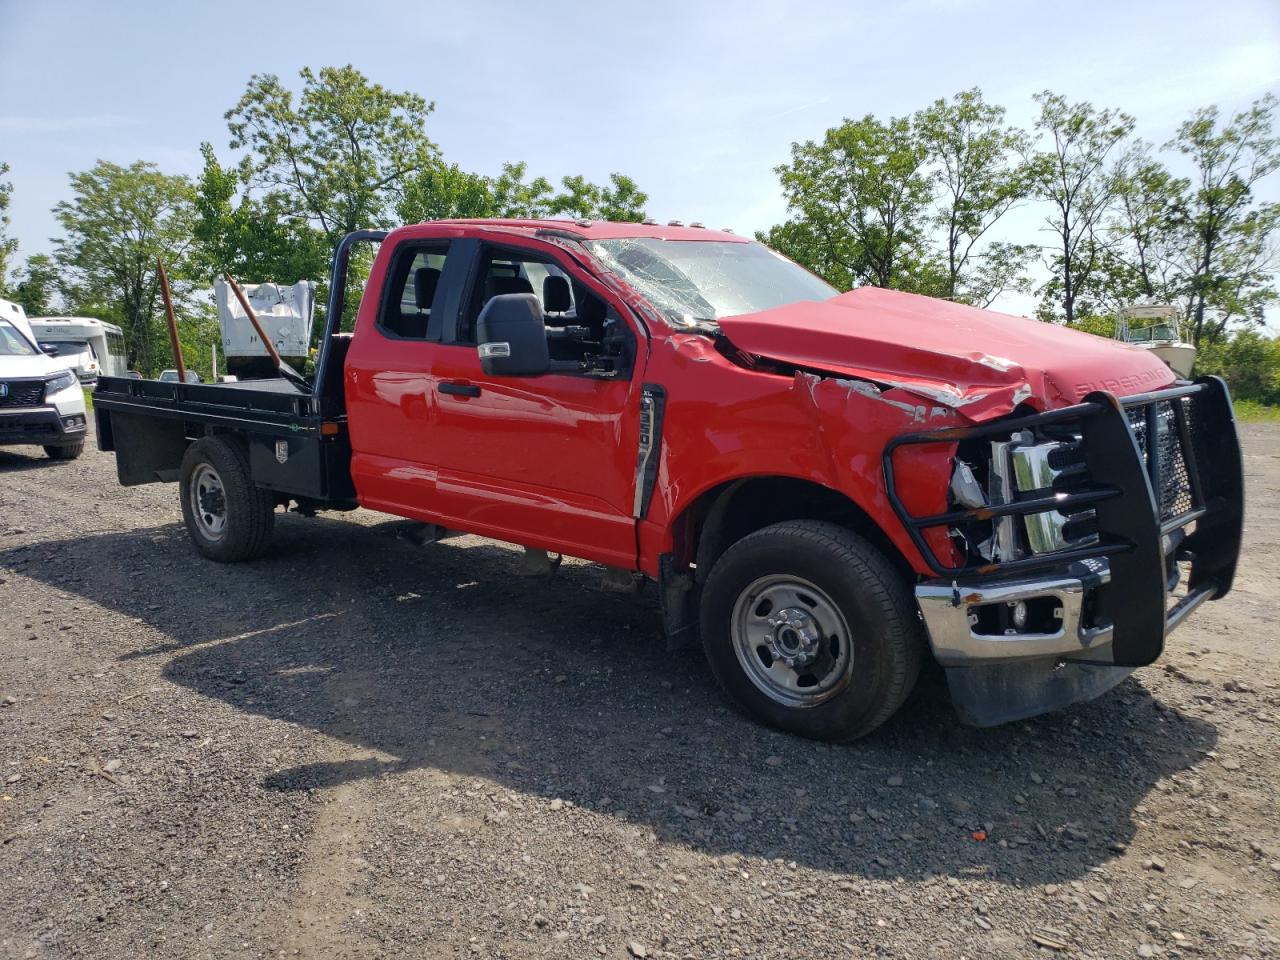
x=389 y=372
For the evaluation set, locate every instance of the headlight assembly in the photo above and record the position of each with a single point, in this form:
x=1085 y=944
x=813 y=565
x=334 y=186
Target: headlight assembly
x=1023 y=467
x=59 y=382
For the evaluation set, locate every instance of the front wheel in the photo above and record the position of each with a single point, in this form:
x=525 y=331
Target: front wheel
x=227 y=517
x=810 y=629
x=64 y=451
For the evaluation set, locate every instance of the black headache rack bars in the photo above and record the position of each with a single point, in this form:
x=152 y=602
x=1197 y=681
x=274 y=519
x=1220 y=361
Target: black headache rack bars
x=1155 y=464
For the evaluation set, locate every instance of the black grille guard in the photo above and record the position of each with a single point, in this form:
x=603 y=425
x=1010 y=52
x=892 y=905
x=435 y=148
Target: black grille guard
x=1132 y=522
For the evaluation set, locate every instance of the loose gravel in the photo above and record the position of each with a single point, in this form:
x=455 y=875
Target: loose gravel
x=359 y=747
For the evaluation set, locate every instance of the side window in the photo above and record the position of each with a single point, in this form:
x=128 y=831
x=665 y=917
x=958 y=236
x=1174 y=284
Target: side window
x=580 y=326
x=410 y=290
x=510 y=271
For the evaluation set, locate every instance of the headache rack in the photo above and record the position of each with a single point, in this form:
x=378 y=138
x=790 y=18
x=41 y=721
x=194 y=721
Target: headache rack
x=1162 y=482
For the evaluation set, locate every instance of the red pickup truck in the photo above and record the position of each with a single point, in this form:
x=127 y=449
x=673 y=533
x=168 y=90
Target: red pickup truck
x=826 y=487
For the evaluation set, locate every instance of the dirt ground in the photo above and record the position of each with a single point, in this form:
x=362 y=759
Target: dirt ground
x=357 y=747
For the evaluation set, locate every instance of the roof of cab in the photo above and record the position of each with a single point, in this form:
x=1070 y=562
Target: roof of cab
x=604 y=229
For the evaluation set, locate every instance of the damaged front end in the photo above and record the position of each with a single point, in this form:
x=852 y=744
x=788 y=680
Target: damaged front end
x=1070 y=534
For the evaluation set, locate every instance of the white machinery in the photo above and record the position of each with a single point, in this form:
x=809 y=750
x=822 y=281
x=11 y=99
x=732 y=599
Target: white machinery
x=1158 y=330
x=91 y=347
x=285 y=314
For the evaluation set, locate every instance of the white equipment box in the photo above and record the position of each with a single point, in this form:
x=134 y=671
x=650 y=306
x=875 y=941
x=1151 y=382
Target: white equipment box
x=284 y=312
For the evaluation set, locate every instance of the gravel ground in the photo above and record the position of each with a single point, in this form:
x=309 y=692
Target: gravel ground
x=357 y=747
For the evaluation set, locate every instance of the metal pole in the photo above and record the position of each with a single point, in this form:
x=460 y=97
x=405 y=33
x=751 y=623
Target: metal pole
x=173 y=322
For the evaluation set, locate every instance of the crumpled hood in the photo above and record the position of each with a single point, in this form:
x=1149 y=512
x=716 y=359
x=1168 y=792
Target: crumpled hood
x=979 y=362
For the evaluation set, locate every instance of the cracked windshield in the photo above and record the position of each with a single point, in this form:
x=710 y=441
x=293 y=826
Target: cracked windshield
x=704 y=280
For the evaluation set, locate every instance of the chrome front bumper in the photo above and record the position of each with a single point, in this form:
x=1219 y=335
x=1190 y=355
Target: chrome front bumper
x=949 y=612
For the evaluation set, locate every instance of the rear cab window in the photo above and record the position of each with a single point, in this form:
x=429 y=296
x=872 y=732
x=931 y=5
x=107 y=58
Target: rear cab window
x=411 y=291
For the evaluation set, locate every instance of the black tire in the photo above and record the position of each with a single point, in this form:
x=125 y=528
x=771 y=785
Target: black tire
x=64 y=451
x=885 y=644
x=246 y=513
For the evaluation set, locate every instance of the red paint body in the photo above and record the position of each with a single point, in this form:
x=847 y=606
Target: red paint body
x=550 y=462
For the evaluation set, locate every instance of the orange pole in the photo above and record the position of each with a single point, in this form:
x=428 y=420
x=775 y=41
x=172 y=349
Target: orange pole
x=173 y=322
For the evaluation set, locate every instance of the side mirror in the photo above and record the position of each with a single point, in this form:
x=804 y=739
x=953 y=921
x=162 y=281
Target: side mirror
x=512 y=337
x=49 y=349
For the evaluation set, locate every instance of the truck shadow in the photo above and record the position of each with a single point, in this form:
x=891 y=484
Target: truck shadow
x=442 y=658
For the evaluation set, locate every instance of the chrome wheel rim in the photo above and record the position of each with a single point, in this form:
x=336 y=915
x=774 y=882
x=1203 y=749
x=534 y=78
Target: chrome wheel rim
x=792 y=641
x=208 y=502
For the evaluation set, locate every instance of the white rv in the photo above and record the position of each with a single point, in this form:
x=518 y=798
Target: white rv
x=91 y=347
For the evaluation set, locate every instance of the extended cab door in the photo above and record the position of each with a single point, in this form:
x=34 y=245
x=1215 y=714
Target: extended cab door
x=549 y=461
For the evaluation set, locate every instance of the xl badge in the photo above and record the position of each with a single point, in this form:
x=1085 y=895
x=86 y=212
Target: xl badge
x=282 y=451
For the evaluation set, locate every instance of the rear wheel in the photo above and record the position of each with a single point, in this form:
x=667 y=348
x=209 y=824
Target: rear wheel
x=68 y=451
x=810 y=629
x=227 y=517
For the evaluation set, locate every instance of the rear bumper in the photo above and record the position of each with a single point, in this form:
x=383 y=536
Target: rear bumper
x=40 y=427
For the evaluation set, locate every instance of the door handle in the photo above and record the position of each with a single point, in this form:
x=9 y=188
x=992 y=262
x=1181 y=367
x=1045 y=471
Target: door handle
x=460 y=389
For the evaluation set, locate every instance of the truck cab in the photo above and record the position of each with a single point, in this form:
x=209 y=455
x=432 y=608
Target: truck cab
x=826 y=488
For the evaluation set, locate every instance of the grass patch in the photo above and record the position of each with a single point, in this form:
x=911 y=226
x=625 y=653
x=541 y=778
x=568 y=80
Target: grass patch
x=1251 y=411
x=88 y=400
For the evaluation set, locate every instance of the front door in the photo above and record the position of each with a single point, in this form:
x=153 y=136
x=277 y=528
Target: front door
x=546 y=461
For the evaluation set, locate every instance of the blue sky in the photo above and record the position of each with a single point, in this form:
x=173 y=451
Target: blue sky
x=696 y=101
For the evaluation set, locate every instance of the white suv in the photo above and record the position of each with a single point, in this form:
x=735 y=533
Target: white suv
x=41 y=401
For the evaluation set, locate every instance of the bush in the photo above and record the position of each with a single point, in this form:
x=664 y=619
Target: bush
x=1248 y=361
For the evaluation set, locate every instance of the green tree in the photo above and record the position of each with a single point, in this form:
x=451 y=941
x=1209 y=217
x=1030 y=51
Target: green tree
x=859 y=200
x=117 y=223
x=579 y=198
x=341 y=156
x=1248 y=361
x=513 y=197
x=1147 y=224
x=439 y=192
x=8 y=245
x=1072 y=177
x=255 y=238
x=1231 y=274
x=445 y=192
x=980 y=177
x=35 y=285
x=622 y=201
x=799 y=240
